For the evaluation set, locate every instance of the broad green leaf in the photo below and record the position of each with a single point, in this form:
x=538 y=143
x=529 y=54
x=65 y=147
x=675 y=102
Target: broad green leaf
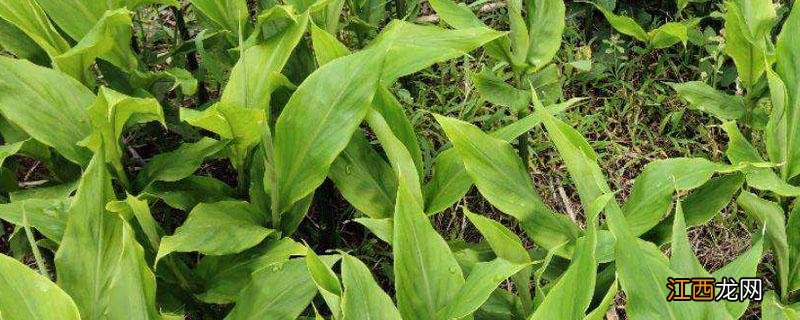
x=133 y=208
x=683 y=259
x=258 y=72
x=740 y=151
x=624 y=25
x=641 y=268
x=327 y=283
x=77 y=17
x=363 y=298
x=48 y=216
x=704 y=98
x=652 y=190
x=503 y=180
x=607 y=302
x=745 y=265
x=13 y=40
x=243 y=126
x=705 y=202
x=223 y=277
x=111 y=32
x=427 y=276
x=10 y=149
x=481 y=282
x=364 y=178
x=450 y=181
x=280 y=291
x=758 y=17
x=326 y=47
x=393 y=112
x=186 y=193
x=788 y=68
x=28 y=17
x=47 y=104
x=413 y=47
x=772 y=309
x=177 y=164
x=571 y=295
x=546 y=26
x=318 y=122
x=504 y=242
x=228 y=15
x=498 y=92
x=398 y=154
x=518 y=33
x=177 y=76
x=668 y=34
x=747 y=57
x=29 y=295
x=99 y=263
x=771 y=216
x=775 y=133
x=219 y=228
x=460 y=16
x=381 y=228
x=110 y=113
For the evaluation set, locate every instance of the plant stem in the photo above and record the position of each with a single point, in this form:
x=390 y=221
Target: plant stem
x=37 y=255
x=191 y=57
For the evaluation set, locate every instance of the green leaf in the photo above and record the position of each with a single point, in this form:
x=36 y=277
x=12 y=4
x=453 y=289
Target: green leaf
x=109 y=115
x=427 y=276
x=741 y=152
x=46 y=104
x=683 y=259
x=771 y=216
x=450 y=181
x=111 y=33
x=223 y=277
x=13 y=40
x=280 y=291
x=364 y=178
x=244 y=126
x=652 y=190
x=772 y=309
x=381 y=228
x=28 y=295
x=10 y=149
x=326 y=47
x=99 y=263
x=571 y=295
x=707 y=99
x=788 y=68
x=363 y=298
x=186 y=193
x=546 y=26
x=624 y=25
x=398 y=154
x=28 y=17
x=177 y=164
x=219 y=228
x=607 y=302
x=503 y=180
x=481 y=282
x=670 y=33
x=747 y=57
x=505 y=243
x=413 y=47
x=745 y=265
x=228 y=15
x=258 y=72
x=793 y=240
x=327 y=283
x=393 y=112
x=48 y=216
x=318 y=121
x=498 y=92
